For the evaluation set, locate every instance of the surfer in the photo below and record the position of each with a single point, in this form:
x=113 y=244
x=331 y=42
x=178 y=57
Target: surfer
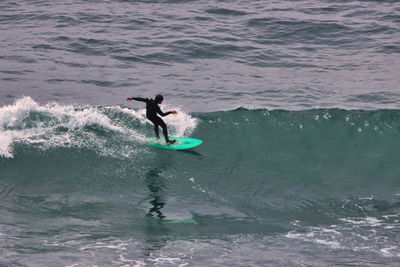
x=152 y=109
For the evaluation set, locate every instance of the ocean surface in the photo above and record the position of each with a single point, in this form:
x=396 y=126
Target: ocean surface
x=298 y=104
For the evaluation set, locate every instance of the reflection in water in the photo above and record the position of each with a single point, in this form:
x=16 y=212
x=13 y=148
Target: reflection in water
x=156 y=186
x=155 y=229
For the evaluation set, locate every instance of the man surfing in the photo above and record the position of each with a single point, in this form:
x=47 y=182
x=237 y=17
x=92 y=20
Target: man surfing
x=152 y=109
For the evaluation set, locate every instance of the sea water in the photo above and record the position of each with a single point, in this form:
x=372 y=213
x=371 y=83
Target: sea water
x=298 y=104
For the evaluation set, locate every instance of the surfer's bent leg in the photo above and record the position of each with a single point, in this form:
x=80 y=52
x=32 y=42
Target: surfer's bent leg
x=154 y=121
x=156 y=131
x=164 y=128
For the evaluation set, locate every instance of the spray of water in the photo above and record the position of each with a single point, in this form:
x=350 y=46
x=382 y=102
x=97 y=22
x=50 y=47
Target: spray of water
x=106 y=130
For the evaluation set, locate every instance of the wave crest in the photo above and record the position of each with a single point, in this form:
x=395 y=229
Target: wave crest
x=106 y=130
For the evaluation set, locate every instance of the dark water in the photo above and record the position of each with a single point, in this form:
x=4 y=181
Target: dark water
x=203 y=55
x=297 y=103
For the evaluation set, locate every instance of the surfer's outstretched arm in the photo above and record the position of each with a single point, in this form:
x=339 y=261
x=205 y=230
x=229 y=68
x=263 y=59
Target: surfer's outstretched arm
x=162 y=113
x=137 y=99
x=166 y=113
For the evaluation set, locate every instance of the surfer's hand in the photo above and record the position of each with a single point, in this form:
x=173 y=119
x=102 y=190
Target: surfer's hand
x=174 y=112
x=129 y=98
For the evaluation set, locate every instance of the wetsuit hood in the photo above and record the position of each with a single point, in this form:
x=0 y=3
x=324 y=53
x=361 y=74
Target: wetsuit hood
x=159 y=99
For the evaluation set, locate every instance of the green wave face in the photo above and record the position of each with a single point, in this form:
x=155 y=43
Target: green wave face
x=317 y=176
x=268 y=158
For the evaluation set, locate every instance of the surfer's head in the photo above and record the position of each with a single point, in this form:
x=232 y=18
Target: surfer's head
x=159 y=99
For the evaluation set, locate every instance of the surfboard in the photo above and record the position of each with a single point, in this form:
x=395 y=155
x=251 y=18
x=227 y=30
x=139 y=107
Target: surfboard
x=180 y=144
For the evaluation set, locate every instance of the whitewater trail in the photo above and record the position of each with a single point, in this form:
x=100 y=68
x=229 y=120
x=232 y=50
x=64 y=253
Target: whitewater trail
x=56 y=125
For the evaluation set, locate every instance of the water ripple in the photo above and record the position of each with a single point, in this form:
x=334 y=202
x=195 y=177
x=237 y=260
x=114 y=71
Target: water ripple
x=287 y=45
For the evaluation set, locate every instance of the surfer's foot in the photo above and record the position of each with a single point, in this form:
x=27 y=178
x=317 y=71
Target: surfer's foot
x=170 y=142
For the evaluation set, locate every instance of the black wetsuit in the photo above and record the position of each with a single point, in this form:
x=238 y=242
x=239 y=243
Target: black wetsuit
x=152 y=109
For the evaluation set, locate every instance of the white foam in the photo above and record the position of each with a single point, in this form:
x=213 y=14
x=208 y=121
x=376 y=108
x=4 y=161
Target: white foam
x=391 y=251
x=358 y=234
x=332 y=244
x=22 y=122
x=15 y=128
x=6 y=140
x=367 y=221
x=318 y=236
x=180 y=125
x=136 y=114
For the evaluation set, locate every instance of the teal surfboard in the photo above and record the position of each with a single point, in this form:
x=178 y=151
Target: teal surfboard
x=181 y=143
